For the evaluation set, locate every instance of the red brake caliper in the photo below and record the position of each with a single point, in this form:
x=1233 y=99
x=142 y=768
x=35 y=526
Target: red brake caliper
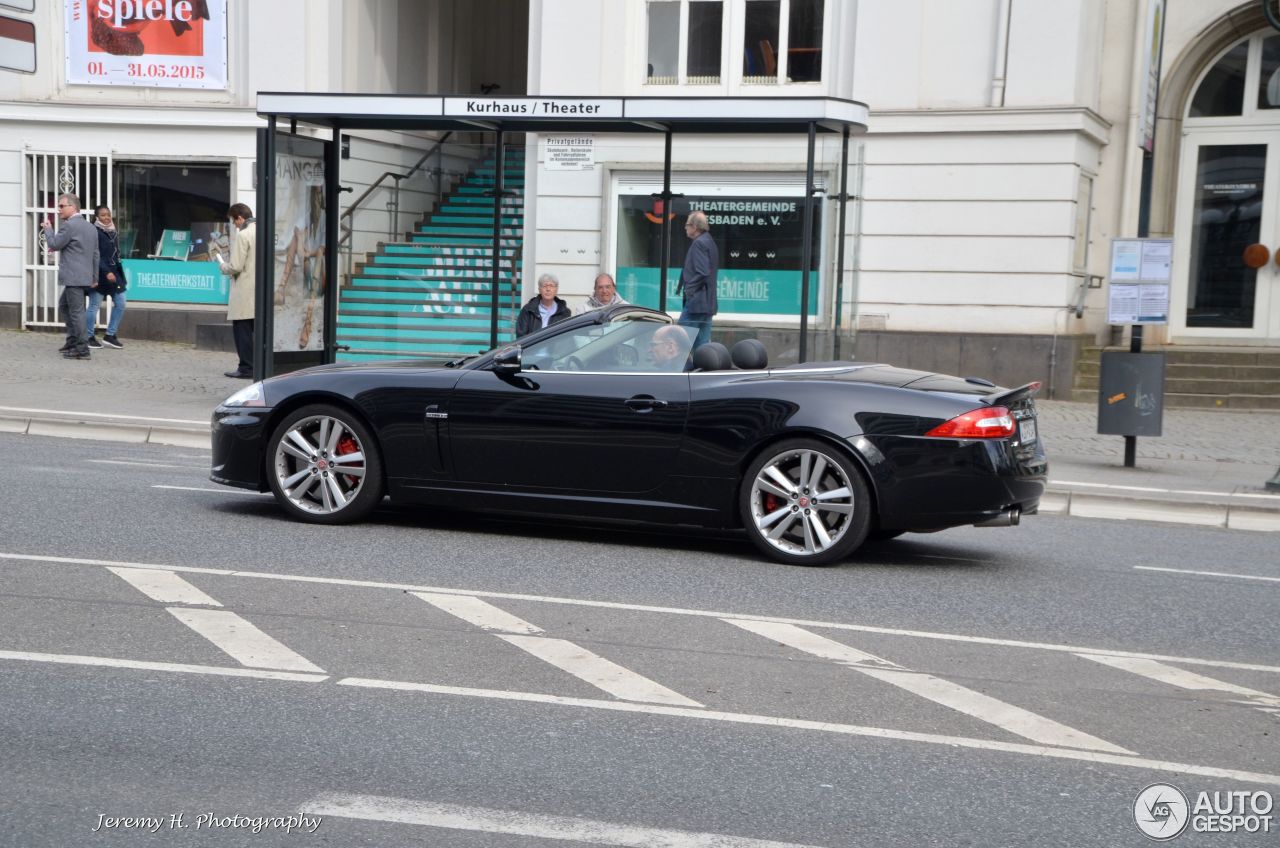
x=348 y=445
x=771 y=502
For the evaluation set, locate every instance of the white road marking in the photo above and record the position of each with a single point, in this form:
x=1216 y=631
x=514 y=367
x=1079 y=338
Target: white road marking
x=486 y=820
x=1005 y=716
x=225 y=490
x=693 y=613
x=1163 y=491
x=574 y=659
x=63 y=413
x=661 y=710
x=825 y=727
x=243 y=642
x=480 y=613
x=1206 y=573
x=599 y=672
x=1184 y=679
x=163 y=586
x=144 y=665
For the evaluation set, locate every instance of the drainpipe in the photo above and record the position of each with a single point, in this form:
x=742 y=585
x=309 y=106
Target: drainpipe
x=1000 y=60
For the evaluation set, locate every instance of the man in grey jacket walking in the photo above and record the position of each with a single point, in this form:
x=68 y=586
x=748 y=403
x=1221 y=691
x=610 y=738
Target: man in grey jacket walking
x=77 y=243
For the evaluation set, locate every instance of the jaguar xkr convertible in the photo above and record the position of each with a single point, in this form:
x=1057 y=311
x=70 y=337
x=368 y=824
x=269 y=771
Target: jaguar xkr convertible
x=609 y=416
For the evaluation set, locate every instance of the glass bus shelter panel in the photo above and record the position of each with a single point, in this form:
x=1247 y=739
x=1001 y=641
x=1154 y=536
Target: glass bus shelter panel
x=426 y=291
x=299 y=277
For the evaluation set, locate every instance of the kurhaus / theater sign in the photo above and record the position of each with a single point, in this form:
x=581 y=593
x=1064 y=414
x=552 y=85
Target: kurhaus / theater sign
x=532 y=107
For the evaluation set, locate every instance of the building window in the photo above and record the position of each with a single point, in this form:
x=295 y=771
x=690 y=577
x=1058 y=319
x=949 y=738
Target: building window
x=1269 y=77
x=706 y=26
x=804 y=41
x=664 y=42
x=162 y=205
x=1221 y=92
x=686 y=41
x=758 y=229
x=760 y=41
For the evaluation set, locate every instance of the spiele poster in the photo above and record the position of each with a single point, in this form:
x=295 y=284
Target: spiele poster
x=153 y=43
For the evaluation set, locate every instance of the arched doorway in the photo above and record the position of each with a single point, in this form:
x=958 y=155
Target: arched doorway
x=1228 y=201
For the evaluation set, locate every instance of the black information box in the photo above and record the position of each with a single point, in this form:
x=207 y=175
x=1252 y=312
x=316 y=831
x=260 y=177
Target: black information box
x=1131 y=394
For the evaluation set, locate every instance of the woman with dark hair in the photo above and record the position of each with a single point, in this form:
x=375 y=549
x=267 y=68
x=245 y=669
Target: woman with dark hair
x=111 y=282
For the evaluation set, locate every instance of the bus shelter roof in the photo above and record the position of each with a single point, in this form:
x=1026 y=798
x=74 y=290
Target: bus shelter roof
x=708 y=115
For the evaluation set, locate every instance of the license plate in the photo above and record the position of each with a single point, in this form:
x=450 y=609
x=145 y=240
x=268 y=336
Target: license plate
x=1027 y=431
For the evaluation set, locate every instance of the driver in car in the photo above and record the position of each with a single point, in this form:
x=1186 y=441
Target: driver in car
x=669 y=348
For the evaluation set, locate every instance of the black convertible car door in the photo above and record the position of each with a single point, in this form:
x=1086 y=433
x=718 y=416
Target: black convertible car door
x=616 y=433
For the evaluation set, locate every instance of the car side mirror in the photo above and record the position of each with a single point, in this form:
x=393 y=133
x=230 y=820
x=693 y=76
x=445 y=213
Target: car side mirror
x=507 y=361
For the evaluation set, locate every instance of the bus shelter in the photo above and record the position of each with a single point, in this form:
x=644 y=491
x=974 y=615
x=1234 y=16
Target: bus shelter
x=299 y=182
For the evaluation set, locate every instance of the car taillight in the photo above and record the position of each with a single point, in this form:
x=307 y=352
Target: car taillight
x=989 y=422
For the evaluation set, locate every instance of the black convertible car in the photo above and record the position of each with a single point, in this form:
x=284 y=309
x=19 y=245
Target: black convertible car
x=608 y=416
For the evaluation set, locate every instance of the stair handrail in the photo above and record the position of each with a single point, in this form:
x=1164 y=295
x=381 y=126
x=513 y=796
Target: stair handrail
x=355 y=204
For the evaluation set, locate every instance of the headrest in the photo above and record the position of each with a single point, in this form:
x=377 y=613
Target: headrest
x=712 y=356
x=750 y=355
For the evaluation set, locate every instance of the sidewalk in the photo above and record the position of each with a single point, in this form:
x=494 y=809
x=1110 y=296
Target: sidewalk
x=1209 y=468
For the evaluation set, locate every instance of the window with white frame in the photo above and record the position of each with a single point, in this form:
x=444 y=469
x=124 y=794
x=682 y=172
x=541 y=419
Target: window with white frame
x=779 y=41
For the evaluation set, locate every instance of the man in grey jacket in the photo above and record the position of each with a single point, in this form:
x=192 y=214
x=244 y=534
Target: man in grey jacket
x=77 y=243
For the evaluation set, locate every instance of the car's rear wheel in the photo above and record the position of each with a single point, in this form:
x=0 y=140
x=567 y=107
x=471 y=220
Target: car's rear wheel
x=324 y=466
x=805 y=503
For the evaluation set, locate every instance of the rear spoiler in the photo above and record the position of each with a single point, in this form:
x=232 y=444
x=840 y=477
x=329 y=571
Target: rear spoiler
x=1008 y=396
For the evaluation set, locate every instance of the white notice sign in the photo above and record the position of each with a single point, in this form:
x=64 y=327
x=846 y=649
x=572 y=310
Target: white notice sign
x=569 y=153
x=1141 y=271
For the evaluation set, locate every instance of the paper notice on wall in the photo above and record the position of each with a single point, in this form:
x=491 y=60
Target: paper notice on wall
x=569 y=153
x=153 y=43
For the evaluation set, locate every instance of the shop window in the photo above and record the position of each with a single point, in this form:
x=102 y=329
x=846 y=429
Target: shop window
x=804 y=41
x=1221 y=93
x=706 y=24
x=760 y=41
x=162 y=207
x=664 y=42
x=760 y=236
x=1269 y=78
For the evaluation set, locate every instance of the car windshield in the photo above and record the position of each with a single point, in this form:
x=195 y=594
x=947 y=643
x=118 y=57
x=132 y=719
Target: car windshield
x=631 y=343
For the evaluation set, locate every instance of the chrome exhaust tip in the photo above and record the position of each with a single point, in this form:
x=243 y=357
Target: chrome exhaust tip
x=1008 y=518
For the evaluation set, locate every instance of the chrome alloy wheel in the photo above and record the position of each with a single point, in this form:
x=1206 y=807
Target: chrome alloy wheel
x=320 y=465
x=802 y=502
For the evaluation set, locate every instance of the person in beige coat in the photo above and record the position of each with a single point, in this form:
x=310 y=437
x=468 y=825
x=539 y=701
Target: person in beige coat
x=240 y=305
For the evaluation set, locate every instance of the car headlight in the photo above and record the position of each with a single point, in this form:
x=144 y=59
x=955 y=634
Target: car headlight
x=248 y=396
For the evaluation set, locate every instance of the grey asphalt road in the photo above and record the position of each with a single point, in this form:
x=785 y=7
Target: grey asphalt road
x=972 y=687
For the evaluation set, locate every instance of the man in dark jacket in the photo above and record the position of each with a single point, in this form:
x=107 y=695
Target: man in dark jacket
x=698 y=279
x=77 y=243
x=544 y=310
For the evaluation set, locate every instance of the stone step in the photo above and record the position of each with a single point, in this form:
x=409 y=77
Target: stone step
x=1198 y=401
x=1179 y=354
x=1198 y=371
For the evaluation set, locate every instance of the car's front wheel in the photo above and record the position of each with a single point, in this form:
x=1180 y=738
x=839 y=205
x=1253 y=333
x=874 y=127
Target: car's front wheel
x=805 y=503
x=323 y=466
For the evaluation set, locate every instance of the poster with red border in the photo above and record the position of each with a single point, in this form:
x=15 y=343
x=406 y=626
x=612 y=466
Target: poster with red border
x=152 y=43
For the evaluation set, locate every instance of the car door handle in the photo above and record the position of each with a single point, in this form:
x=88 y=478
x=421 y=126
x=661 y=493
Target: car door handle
x=644 y=403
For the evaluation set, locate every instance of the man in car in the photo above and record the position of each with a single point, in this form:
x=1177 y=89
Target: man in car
x=544 y=310
x=669 y=348
x=605 y=294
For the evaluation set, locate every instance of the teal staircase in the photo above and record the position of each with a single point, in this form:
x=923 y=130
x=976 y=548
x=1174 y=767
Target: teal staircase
x=430 y=295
